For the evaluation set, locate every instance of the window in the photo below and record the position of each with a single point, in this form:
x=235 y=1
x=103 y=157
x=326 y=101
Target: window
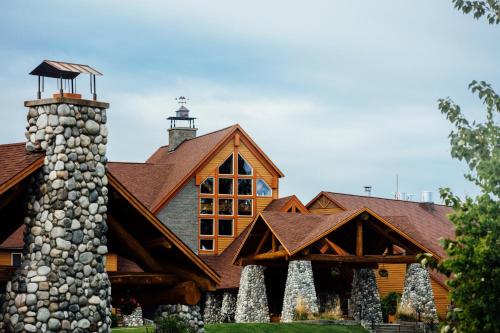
x=263 y=190
x=17 y=259
x=244 y=168
x=245 y=186
x=225 y=227
x=225 y=186
x=225 y=206
x=206 y=206
x=207 y=227
x=226 y=168
x=207 y=244
x=207 y=187
x=245 y=207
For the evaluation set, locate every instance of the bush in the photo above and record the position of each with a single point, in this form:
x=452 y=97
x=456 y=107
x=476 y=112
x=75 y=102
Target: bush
x=172 y=324
x=332 y=312
x=406 y=313
x=302 y=311
x=389 y=304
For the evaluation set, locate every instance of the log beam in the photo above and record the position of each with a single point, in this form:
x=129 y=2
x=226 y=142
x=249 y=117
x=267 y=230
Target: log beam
x=159 y=242
x=134 y=246
x=359 y=237
x=389 y=259
x=270 y=255
x=336 y=248
x=143 y=279
x=262 y=241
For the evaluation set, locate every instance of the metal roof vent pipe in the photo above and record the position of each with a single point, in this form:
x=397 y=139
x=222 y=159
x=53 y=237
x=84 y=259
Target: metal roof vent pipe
x=426 y=200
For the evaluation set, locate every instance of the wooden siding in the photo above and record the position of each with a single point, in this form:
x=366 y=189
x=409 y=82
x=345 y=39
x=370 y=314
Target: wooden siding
x=440 y=298
x=5 y=259
x=260 y=171
x=394 y=282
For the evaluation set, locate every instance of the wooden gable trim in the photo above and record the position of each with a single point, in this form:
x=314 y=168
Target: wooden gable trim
x=294 y=201
x=163 y=229
x=379 y=218
x=22 y=175
x=237 y=130
x=325 y=194
x=252 y=226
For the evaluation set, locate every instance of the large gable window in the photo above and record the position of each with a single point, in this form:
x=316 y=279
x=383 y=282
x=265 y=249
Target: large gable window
x=207 y=187
x=206 y=244
x=245 y=207
x=244 y=169
x=226 y=207
x=263 y=190
x=207 y=227
x=226 y=168
x=226 y=227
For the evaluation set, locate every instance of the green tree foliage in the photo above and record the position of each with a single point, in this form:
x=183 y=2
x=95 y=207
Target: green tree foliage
x=490 y=8
x=473 y=264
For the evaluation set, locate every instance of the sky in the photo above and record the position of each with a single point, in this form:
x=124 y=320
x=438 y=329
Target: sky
x=339 y=94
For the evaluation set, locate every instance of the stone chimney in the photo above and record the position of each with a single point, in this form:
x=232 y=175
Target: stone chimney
x=179 y=134
x=62 y=285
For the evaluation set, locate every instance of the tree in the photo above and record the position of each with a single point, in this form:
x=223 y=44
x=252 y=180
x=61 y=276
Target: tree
x=474 y=255
x=490 y=8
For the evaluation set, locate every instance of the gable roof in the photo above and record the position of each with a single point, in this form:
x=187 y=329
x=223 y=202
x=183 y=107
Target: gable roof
x=189 y=156
x=283 y=204
x=14 y=241
x=426 y=223
x=16 y=163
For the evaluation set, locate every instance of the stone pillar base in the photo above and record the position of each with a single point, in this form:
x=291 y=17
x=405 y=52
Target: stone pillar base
x=364 y=304
x=417 y=293
x=299 y=288
x=251 y=303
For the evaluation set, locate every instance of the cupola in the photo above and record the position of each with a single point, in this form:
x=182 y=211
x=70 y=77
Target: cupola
x=182 y=126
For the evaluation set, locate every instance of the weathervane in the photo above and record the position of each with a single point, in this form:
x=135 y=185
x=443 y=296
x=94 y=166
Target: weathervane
x=182 y=100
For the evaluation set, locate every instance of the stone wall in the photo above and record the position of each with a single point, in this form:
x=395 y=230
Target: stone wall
x=190 y=314
x=251 y=303
x=178 y=135
x=62 y=285
x=228 y=307
x=417 y=293
x=212 y=310
x=181 y=215
x=364 y=304
x=299 y=285
x=134 y=319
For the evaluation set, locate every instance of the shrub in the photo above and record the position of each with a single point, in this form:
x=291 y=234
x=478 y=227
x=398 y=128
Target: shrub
x=302 y=311
x=333 y=312
x=172 y=324
x=389 y=304
x=406 y=312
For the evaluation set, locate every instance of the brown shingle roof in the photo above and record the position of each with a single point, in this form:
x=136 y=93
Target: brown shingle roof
x=14 y=160
x=278 y=204
x=14 y=241
x=426 y=223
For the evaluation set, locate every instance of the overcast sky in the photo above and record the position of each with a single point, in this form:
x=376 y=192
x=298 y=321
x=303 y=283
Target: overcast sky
x=339 y=94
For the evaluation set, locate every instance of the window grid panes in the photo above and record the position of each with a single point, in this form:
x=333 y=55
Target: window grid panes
x=206 y=244
x=207 y=227
x=207 y=187
x=226 y=227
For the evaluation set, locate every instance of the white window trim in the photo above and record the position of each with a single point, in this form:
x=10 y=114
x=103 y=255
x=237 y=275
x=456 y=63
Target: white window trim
x=207 y=239
x=232 y=227
x=251 y=211
x=213 y=206
x=228 y=198
x=238 y=166
x=238 y=187
x=263 y=196
x=213 y=226
x=213 y=186
x=227 y=174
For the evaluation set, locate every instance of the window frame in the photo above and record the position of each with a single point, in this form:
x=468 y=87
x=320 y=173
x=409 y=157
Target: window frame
x=226 y=174
x=251 y=209
x=12 y=258
x=238 y=166
x=232 y=206
x=232 y=186
x=257 y=193
x=213 y=226
x=207 y=239
x=251 y=187
x=213 y=186
x=232 y=227
x=213 y=206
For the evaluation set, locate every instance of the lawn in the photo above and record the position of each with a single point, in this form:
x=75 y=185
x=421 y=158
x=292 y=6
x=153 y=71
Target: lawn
x=261 y=328
x=282 y=328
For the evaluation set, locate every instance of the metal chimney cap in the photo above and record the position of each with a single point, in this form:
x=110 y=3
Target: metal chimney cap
x=64 y=70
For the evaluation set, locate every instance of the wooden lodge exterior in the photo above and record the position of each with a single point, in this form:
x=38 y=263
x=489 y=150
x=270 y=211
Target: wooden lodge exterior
x=187 y=220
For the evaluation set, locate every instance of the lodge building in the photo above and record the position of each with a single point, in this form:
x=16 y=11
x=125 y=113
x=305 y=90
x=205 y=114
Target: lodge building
x=200 y=222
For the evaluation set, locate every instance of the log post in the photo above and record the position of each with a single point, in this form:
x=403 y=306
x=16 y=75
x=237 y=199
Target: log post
x=359 y=238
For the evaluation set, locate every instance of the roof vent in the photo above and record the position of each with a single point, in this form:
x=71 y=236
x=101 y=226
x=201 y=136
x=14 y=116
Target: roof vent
x=66 y=74
x=426 y=197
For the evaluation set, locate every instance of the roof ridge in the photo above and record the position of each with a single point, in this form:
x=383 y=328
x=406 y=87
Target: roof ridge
x=381 y=198
x=12 y=144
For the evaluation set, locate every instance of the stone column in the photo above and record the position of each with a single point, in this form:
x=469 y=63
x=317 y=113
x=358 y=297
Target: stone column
x=251 y=303
x=299 y=285
x=62 y=285
x=364 y=304
x=417 y=292
x=212 y=311
x=228 y=307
